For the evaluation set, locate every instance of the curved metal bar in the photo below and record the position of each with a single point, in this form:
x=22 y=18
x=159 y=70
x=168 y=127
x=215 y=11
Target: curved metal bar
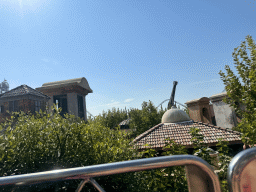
x=174 y=101
x=195 y=167
x=96 y=185
x=242 y=171
x=163 y=102
x=81 y=185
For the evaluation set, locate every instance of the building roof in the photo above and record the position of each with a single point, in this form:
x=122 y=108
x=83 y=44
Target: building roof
x=23 y=90
x=125 y=122
x=218 y=96
x=179 y=132
x=202 y=99
x=78 y=81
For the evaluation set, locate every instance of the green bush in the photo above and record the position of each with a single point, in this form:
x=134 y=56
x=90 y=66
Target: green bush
x=171 y=179
x=42 y=142
x=144 y=119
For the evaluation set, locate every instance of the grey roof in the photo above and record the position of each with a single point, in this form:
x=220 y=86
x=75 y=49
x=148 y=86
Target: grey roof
x=79 y=81
x=23 y=90
x=125 y=122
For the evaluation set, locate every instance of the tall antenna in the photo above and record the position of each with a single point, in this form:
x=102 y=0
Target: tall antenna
x=171 y=102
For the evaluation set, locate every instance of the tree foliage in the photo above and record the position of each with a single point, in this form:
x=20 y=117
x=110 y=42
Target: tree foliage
x=171 y=179
x=224 y=160
x=46 y=141
x=41 y=142
x=241 y=88
x=198 y=144
x=140 y=119
x=112 y=118
x=144 y=119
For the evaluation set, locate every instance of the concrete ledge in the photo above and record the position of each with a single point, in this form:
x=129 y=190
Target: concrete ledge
x=218 y=97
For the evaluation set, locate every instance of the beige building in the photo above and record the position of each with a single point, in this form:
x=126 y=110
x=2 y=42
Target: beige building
x=69 y=95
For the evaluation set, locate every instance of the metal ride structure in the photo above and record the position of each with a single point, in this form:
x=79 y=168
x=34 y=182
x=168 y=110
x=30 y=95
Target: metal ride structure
x=175 y=102
x=171 y=100
x=200 y=175
x=90 y=113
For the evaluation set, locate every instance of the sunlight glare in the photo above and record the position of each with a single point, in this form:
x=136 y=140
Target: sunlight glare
x=26 y=6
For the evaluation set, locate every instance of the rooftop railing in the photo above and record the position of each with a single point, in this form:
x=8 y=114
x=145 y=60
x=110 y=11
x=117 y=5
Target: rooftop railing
x=199 y=172
x=200 y=175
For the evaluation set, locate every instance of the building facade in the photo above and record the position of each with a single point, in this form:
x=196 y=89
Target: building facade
x=68 y=95
x=21 y=98
x=213 y=110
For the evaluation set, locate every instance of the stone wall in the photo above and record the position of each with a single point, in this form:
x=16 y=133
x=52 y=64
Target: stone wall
x=199 y=110
x=224 y=114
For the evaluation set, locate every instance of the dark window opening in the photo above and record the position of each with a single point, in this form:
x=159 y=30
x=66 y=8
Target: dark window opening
x=13 y=106
x=214 y=121
x=2 y=109
x=61 y=100
x=205 y=115
x=37 y=106
x=80 y=103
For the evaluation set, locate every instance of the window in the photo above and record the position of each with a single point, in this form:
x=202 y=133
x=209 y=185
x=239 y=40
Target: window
x=14 y=106
x=11 y=106
x=62 y=103
x=80 y=103
x=37 y=106
x=2 y=109
x=205 y=116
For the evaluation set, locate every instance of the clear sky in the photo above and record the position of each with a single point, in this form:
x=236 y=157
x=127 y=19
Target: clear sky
x=130 y=51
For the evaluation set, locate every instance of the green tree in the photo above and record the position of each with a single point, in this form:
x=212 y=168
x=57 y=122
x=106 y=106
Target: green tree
x=171 y=179
x=144 y=119
x=241 y=88
x=112 y=117
x=41 y=142
x=224 y=160
x=198 y=144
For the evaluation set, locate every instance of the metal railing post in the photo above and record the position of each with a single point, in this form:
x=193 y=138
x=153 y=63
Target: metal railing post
x=242 y=172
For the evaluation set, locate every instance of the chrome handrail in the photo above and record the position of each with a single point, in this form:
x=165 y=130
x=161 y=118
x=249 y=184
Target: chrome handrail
x=242 y=171
x=200 y=174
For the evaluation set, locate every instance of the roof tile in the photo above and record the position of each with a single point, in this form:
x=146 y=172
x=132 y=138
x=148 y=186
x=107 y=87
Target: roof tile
x=23 y=90
x=179 y=132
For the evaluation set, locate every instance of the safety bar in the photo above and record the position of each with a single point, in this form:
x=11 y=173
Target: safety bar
x=242 y=172
x=200 y=175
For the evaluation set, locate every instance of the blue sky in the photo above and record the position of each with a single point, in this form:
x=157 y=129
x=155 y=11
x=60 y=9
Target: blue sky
x=129 y=51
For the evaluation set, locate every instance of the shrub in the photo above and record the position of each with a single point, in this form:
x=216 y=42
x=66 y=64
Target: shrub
x=41 y=142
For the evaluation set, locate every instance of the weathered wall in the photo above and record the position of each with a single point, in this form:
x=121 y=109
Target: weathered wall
x=72 y=103
x=194 y=112
x=199 y=110
x=224 y=115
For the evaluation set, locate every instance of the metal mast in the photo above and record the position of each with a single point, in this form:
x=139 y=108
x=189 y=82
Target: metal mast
x=171 y=102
